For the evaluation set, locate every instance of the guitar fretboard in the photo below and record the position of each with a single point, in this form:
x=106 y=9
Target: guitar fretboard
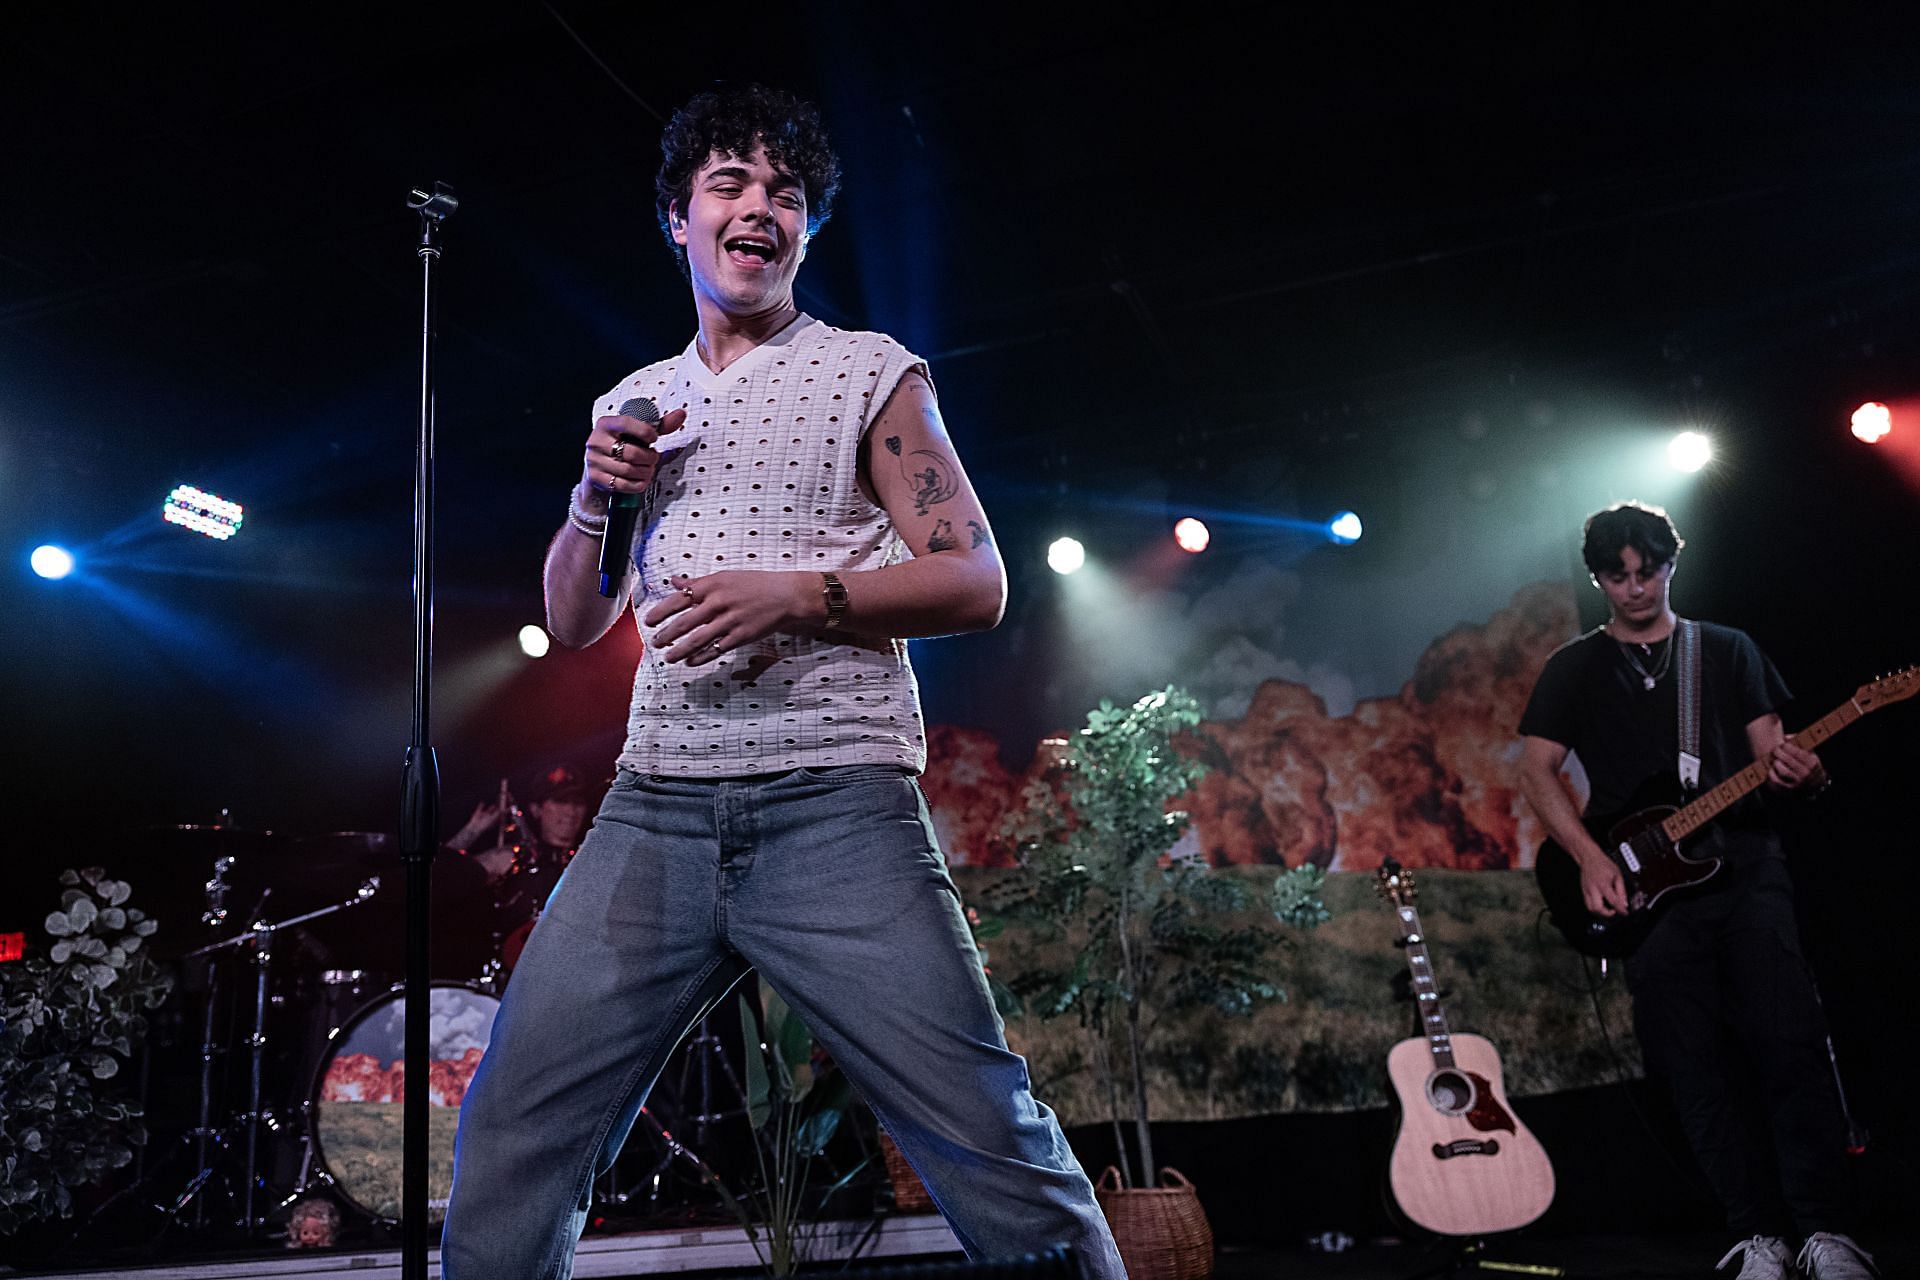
x=1711 y=804
x=1433 y=1019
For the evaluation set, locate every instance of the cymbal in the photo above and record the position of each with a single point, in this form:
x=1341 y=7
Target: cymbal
x=204 y=842
x=310 y=872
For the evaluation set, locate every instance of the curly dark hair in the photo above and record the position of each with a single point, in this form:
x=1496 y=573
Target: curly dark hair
x=733 y=120
x=1647 y=529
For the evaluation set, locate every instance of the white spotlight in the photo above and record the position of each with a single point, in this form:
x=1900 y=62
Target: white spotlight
x=1872 y=422
x=534 y=641
x=1344 y=527
x=202 y=512
x=1690 y=451
x=1191 y=536
x=50 y=561
x=1066 y=555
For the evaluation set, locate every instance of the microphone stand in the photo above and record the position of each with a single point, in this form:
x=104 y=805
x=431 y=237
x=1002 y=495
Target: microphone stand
x=420 y=787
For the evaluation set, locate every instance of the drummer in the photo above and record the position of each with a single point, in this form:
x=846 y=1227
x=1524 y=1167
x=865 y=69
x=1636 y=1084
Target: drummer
x=560 y=807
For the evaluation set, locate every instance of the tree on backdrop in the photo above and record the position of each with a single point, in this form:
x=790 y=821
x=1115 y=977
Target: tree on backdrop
x=1150 y=934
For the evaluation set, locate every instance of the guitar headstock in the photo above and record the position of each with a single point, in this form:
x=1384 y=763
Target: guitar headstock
x=1895 y=686
x=1394 y=883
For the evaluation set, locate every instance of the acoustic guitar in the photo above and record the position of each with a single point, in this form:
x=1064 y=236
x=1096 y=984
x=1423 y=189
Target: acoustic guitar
x=1462 y=1164
x=1648 y=840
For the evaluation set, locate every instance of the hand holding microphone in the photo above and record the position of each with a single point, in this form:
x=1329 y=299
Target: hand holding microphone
x=621 y=461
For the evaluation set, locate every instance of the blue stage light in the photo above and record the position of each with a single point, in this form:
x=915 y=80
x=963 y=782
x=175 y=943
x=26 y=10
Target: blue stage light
x=50 y=561
x=1344 y=528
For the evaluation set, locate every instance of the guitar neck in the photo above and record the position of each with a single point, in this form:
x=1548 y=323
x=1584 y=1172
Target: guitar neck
x=1433 y=1019
x=1712 y=804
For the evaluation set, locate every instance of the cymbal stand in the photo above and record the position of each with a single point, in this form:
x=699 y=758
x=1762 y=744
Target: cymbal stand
x=702 y=1049
x=260 y=936
x=671 y=1150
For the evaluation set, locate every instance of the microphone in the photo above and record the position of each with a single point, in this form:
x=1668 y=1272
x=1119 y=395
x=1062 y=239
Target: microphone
x=616 y=545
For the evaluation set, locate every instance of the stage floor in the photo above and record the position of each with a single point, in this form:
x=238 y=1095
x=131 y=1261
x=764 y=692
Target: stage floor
x=1609 y=1257
x=717 y=1251
x=644 y=1253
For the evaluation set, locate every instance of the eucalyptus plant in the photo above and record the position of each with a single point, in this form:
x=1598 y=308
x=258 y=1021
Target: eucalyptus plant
x=68 y=1018
x=1151 y=934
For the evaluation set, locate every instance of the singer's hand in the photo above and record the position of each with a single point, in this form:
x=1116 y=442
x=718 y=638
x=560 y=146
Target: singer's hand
x=633 y=470
x=724 y=611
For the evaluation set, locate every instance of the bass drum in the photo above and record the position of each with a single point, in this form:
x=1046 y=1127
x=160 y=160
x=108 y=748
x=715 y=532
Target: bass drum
x=360 y=1087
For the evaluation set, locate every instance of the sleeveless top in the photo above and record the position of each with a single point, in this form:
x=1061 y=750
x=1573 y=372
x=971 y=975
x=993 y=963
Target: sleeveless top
x=764 y=477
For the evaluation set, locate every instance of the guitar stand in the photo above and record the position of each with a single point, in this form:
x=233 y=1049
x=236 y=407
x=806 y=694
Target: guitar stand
x=1469 y=1256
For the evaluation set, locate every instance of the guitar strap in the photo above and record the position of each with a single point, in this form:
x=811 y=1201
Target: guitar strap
x=1686 y=662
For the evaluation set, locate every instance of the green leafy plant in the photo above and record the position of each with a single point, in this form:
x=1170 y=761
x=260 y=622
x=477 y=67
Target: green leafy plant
x=68 y=1019
x=1150 y=935
x=796 y=1100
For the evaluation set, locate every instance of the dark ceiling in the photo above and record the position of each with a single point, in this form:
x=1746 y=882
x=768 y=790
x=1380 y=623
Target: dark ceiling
x=1251 y=258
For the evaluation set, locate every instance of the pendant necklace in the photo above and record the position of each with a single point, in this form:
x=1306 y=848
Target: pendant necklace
x=1648 y=679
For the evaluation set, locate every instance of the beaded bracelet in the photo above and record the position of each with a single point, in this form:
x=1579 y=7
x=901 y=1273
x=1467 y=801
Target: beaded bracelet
x=591 y=525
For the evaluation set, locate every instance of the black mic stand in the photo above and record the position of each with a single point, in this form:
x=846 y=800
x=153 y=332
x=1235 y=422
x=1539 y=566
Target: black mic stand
x=420 y=788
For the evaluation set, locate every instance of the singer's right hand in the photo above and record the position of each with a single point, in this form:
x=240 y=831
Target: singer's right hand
x=633 y=470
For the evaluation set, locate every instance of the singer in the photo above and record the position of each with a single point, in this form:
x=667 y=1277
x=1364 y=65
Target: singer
x=801 y=512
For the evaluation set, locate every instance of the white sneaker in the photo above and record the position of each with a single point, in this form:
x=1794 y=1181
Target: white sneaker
x=1826 y=1256
x=1768 y=1258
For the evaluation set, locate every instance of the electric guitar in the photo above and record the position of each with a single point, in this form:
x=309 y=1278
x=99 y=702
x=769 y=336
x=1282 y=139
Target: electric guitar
x=1462 y=1164
x=1646 y=840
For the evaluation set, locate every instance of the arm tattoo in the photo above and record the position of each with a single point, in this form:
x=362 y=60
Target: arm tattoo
x=942 y=538
x=932 y=477
x=980 y=538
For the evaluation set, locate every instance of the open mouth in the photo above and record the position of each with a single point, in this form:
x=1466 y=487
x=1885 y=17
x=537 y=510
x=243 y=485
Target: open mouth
x=745 y=251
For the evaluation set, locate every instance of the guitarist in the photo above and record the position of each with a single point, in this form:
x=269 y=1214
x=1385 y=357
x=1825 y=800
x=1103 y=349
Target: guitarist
x=1724 y=1004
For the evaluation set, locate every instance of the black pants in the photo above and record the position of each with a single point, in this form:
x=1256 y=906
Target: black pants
x=1727 y=1013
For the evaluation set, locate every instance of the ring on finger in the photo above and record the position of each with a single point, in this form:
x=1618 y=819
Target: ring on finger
x=619 y=448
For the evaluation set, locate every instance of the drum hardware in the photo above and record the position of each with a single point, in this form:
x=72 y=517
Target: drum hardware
x=693 y=1084
x=671 y=1150
x=216 y=892
x=703 y=1050
x=260 y=936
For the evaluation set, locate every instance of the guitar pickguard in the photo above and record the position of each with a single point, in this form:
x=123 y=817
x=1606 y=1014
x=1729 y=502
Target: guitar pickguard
x=1487 y=1115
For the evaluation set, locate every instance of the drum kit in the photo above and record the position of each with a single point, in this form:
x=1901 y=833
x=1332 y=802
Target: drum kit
x=289 y=954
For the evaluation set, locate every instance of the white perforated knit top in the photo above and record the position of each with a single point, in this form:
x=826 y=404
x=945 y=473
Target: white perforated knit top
x=764 y=476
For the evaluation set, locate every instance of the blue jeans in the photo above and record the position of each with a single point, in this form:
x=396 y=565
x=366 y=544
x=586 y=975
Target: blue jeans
x=831 y=884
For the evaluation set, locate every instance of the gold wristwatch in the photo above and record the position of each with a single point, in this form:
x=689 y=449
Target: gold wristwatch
x=835 y=592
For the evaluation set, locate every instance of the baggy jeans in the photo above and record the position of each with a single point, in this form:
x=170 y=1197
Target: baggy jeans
x=828 y=881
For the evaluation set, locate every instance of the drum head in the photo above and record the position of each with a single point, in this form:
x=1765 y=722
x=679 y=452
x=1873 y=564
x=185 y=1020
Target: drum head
x=359 y=1089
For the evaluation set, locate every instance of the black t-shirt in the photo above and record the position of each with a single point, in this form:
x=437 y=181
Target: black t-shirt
x=1590 y=699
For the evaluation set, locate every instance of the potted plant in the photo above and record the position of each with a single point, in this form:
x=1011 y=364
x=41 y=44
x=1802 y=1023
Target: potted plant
x=796 y=1099
x=67 y=1020
x=1149 y=935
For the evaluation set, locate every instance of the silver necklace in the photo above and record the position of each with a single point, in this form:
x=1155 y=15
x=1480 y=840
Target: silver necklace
x=1648 y=679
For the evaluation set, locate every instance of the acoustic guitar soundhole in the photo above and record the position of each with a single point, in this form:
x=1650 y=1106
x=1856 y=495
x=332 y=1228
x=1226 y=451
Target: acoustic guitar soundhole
x=1450 y=1092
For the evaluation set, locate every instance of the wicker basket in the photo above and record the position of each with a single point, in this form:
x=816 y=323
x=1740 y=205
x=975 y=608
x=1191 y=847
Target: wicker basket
x=909 y=1193
x=1162 y=1231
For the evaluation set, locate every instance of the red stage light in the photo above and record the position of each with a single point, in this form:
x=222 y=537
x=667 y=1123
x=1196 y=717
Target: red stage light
x=1872 y=422
x=1191 y=535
